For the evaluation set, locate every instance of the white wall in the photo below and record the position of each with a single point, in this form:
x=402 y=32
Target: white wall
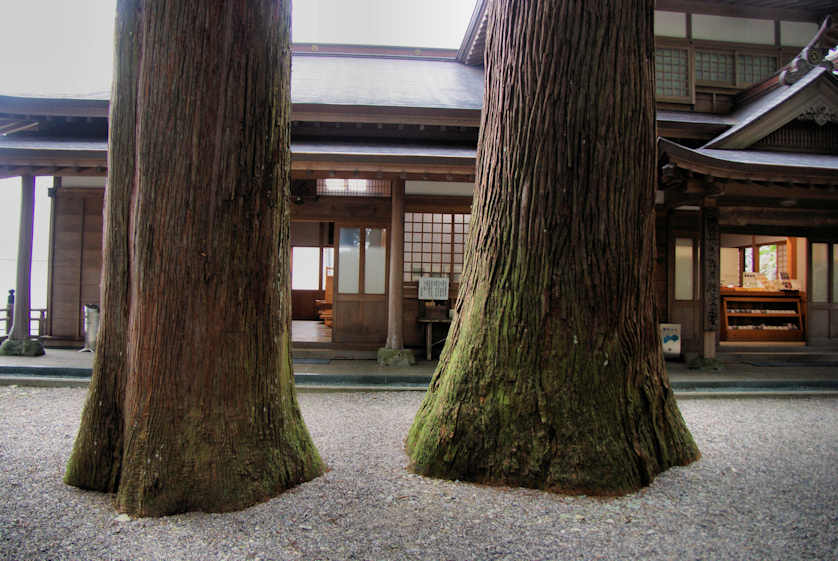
x=740 y=30
x=734 y=29
x=670 y=24
x=797 y=33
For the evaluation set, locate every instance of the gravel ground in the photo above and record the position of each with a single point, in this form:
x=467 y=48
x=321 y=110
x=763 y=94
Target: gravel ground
x=766 y=488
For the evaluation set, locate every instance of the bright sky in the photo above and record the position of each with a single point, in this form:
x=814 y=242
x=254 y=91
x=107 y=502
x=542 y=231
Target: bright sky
x=65 y=47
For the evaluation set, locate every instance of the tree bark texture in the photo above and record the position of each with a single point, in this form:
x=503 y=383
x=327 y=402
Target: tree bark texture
x=552 y=376
x=192 y=403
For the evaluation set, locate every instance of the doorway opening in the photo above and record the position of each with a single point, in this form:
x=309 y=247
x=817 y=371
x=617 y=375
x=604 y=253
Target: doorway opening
x=312 y=282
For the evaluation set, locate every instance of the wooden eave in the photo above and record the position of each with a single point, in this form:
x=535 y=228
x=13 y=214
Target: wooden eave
x=315 y=112
x=306 y=163
x=821 y=88
x=15 y=162
x=791 y=10
x=26 y=161
x=474 y=40
x=35 y=106
x=377 y=51
x=695 y=162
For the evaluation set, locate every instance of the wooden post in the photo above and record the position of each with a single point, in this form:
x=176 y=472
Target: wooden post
x=710 y=277
x=395 y=321
x=20 y=324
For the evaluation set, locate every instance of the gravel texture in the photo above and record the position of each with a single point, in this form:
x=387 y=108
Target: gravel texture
x=766 y=488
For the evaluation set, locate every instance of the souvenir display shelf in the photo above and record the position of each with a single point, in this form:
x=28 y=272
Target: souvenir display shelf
x=761 y=316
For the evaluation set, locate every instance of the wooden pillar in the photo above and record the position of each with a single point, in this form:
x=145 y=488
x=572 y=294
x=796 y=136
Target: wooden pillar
x=20 y=325
x=395 y=321
x=710 y=277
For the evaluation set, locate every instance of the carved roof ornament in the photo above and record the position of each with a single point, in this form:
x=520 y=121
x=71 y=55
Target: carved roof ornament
x=819 y=112
x=814 y=54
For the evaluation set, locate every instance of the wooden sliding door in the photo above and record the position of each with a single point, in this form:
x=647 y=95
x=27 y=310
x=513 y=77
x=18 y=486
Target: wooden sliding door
x=823 y=293
x=361 y=289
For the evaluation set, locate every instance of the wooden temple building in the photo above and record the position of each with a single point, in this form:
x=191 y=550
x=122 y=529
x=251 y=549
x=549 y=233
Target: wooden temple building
x=383 y=159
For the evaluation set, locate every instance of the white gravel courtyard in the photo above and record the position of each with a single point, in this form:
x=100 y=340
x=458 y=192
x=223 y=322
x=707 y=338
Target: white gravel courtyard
x=765 y=488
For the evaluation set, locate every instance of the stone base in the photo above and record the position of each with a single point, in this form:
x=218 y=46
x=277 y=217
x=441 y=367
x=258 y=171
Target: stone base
x=696 y=362
x=396 y=357
x=27 y=347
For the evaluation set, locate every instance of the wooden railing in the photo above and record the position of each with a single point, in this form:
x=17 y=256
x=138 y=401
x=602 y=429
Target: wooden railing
x=37 y=318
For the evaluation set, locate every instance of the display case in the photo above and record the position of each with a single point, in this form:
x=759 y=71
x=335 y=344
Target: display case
x=762 y=316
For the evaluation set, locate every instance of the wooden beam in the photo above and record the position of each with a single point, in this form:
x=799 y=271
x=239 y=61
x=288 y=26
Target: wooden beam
x=800 y=218
x=316 y=112
x=18 y=170
x=14 y=105
x=757 y=190
x=739 y=9
x=350 y=169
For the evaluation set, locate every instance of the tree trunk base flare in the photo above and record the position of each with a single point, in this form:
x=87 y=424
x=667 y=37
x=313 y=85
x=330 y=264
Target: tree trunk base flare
x=192 y=403
x=552 y=375
x=397 y=358
x=26 y=347
x=217 y=459
x=584 y=418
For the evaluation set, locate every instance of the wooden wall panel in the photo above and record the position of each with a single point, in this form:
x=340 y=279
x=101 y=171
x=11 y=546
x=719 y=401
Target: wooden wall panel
x=302 y=304
x=307 y=234
x=414 y=335
x=360 y=321
x=331 y=209
x=76 y=260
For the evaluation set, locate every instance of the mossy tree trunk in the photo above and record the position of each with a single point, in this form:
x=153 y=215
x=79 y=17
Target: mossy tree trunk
x=552 y=376
x=192 y=404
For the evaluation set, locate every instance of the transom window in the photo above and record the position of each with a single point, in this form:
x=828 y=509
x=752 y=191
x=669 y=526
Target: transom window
x=334 y=187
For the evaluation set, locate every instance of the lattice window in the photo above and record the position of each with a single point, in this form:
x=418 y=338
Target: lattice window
x=434 y=244
x=672 y=73
x=754 y=68
x=782 y=258
x=353 y=187
x=714 y=67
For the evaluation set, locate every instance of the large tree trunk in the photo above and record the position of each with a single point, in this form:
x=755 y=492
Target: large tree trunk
x=552 y=376
x=192 y=404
